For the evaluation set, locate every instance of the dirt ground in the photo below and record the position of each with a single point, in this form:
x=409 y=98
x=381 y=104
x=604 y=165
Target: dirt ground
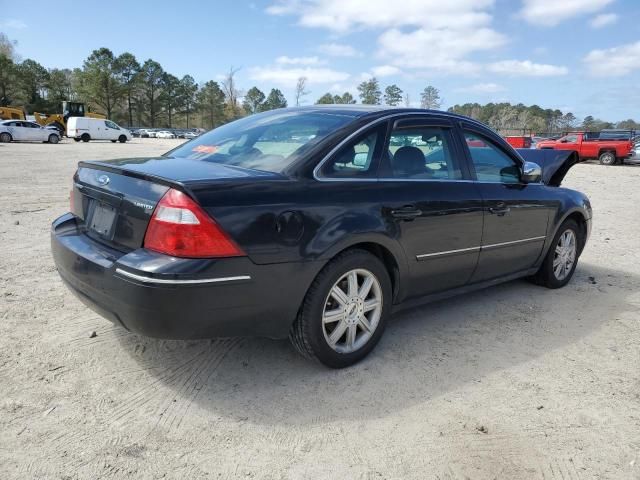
x=513 y=382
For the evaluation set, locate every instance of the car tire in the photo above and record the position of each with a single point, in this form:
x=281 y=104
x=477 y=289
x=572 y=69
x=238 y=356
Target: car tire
x=607 y=158
x=344 y=341
x=5 y=137
x=122 y=139
x=76 y=139
x=53 y=139
x=85 y=137
x=113 y=141
x=551 y=274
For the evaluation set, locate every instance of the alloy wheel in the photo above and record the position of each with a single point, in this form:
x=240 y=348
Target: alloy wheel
x=565 y=254
x=352 y=311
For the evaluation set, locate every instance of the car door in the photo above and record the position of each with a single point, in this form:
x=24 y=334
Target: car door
x=36 y=132
x=428 y=198
x=22 y=132
x=516 y=214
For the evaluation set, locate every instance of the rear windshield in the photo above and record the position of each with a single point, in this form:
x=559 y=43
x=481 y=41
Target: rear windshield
x=268 y=141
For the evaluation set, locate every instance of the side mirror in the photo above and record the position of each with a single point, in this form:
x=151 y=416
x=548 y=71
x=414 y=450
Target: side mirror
x=531 y=173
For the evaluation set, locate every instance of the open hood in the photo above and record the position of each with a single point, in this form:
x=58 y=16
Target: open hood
x=554 y=163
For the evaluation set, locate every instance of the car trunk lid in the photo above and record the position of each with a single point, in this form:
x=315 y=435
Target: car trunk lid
x=115 y=199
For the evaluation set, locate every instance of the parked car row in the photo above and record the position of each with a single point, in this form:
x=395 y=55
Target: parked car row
x=165 y=133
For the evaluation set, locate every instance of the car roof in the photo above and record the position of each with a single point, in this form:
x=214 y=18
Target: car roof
x=375 y=111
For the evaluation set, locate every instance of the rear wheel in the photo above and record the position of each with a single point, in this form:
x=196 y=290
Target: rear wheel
x=54 y=139
x=560 y=263
x=76 y=139
x=607 y=158
x=344 y=311
x=113 y=141
x=5 y=137
x=85 y=137
x=122 y=139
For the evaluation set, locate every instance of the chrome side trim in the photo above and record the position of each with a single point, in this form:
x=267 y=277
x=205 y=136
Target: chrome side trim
x=480 y=248
x=513 y=242
x=448 y=252
x=163 y=281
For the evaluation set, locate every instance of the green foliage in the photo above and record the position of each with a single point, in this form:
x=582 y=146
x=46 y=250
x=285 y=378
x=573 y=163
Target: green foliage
x=370 y=93
x=187 y=89
x=393 y=95
x=345 y=98
x=325 y=99
x=253 y=101
x=211 y=101
x=7 y=79
x=101 y=80
x=274 y=100
x=151 y=81
x=60 y=87
x=32 y=79
x=169 y=96
x=430 y=98
x=128 y=69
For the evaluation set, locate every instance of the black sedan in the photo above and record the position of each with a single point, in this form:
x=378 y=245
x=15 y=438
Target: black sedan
x=316 y=224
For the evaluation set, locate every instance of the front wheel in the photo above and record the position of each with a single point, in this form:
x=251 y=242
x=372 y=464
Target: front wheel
x=607 y=158
x=122 y=139
x=560 y=263
x=54 y=139
x=344 y=311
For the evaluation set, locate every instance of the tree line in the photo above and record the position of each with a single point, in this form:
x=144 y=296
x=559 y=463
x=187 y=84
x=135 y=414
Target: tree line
x=137 y=93
x=508 y=118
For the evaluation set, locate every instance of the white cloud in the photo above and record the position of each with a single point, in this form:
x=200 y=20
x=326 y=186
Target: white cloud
x=482 y=88
x=603 y=20
x=288 y=77
x=426 y=35
x=441 y=50
x=385 y=70
x=13 y=24
x=526 y=68
x=338 y=50
x=343 y=15
x=615 y=61
x=284 y=60
x=549 y=13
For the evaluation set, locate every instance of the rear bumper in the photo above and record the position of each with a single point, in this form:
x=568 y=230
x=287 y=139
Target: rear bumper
x=168 y=297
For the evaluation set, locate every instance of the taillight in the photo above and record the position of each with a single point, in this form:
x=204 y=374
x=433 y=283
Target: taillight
x=181 y=228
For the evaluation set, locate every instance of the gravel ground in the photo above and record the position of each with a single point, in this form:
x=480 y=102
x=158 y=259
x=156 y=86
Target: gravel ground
x=512 y=382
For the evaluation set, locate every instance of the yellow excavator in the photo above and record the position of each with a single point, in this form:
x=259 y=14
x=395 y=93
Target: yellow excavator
x=58 y=120
x=12 y=113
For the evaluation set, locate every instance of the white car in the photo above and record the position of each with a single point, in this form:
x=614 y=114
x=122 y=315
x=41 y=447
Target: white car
x=635 y=155
x=190 y=135
x=24 y=131
x=152 y=133
x=165 y=134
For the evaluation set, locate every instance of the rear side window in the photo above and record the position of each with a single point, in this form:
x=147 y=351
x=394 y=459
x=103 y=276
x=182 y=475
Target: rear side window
x=490 y=162
x=358 y=158
x=422 y=153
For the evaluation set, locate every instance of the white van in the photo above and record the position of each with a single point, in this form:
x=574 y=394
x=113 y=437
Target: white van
x=86 y=128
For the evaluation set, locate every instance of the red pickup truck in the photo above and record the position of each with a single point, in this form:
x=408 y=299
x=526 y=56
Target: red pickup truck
x=608 y=151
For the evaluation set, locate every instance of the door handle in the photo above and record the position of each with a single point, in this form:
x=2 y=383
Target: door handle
x=407 y=212
x=500 y=209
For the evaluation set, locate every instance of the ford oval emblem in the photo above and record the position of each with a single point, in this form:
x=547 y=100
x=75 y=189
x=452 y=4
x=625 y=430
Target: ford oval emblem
x=103 y=180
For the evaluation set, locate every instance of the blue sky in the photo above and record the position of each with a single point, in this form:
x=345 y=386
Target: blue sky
x=576 y=55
